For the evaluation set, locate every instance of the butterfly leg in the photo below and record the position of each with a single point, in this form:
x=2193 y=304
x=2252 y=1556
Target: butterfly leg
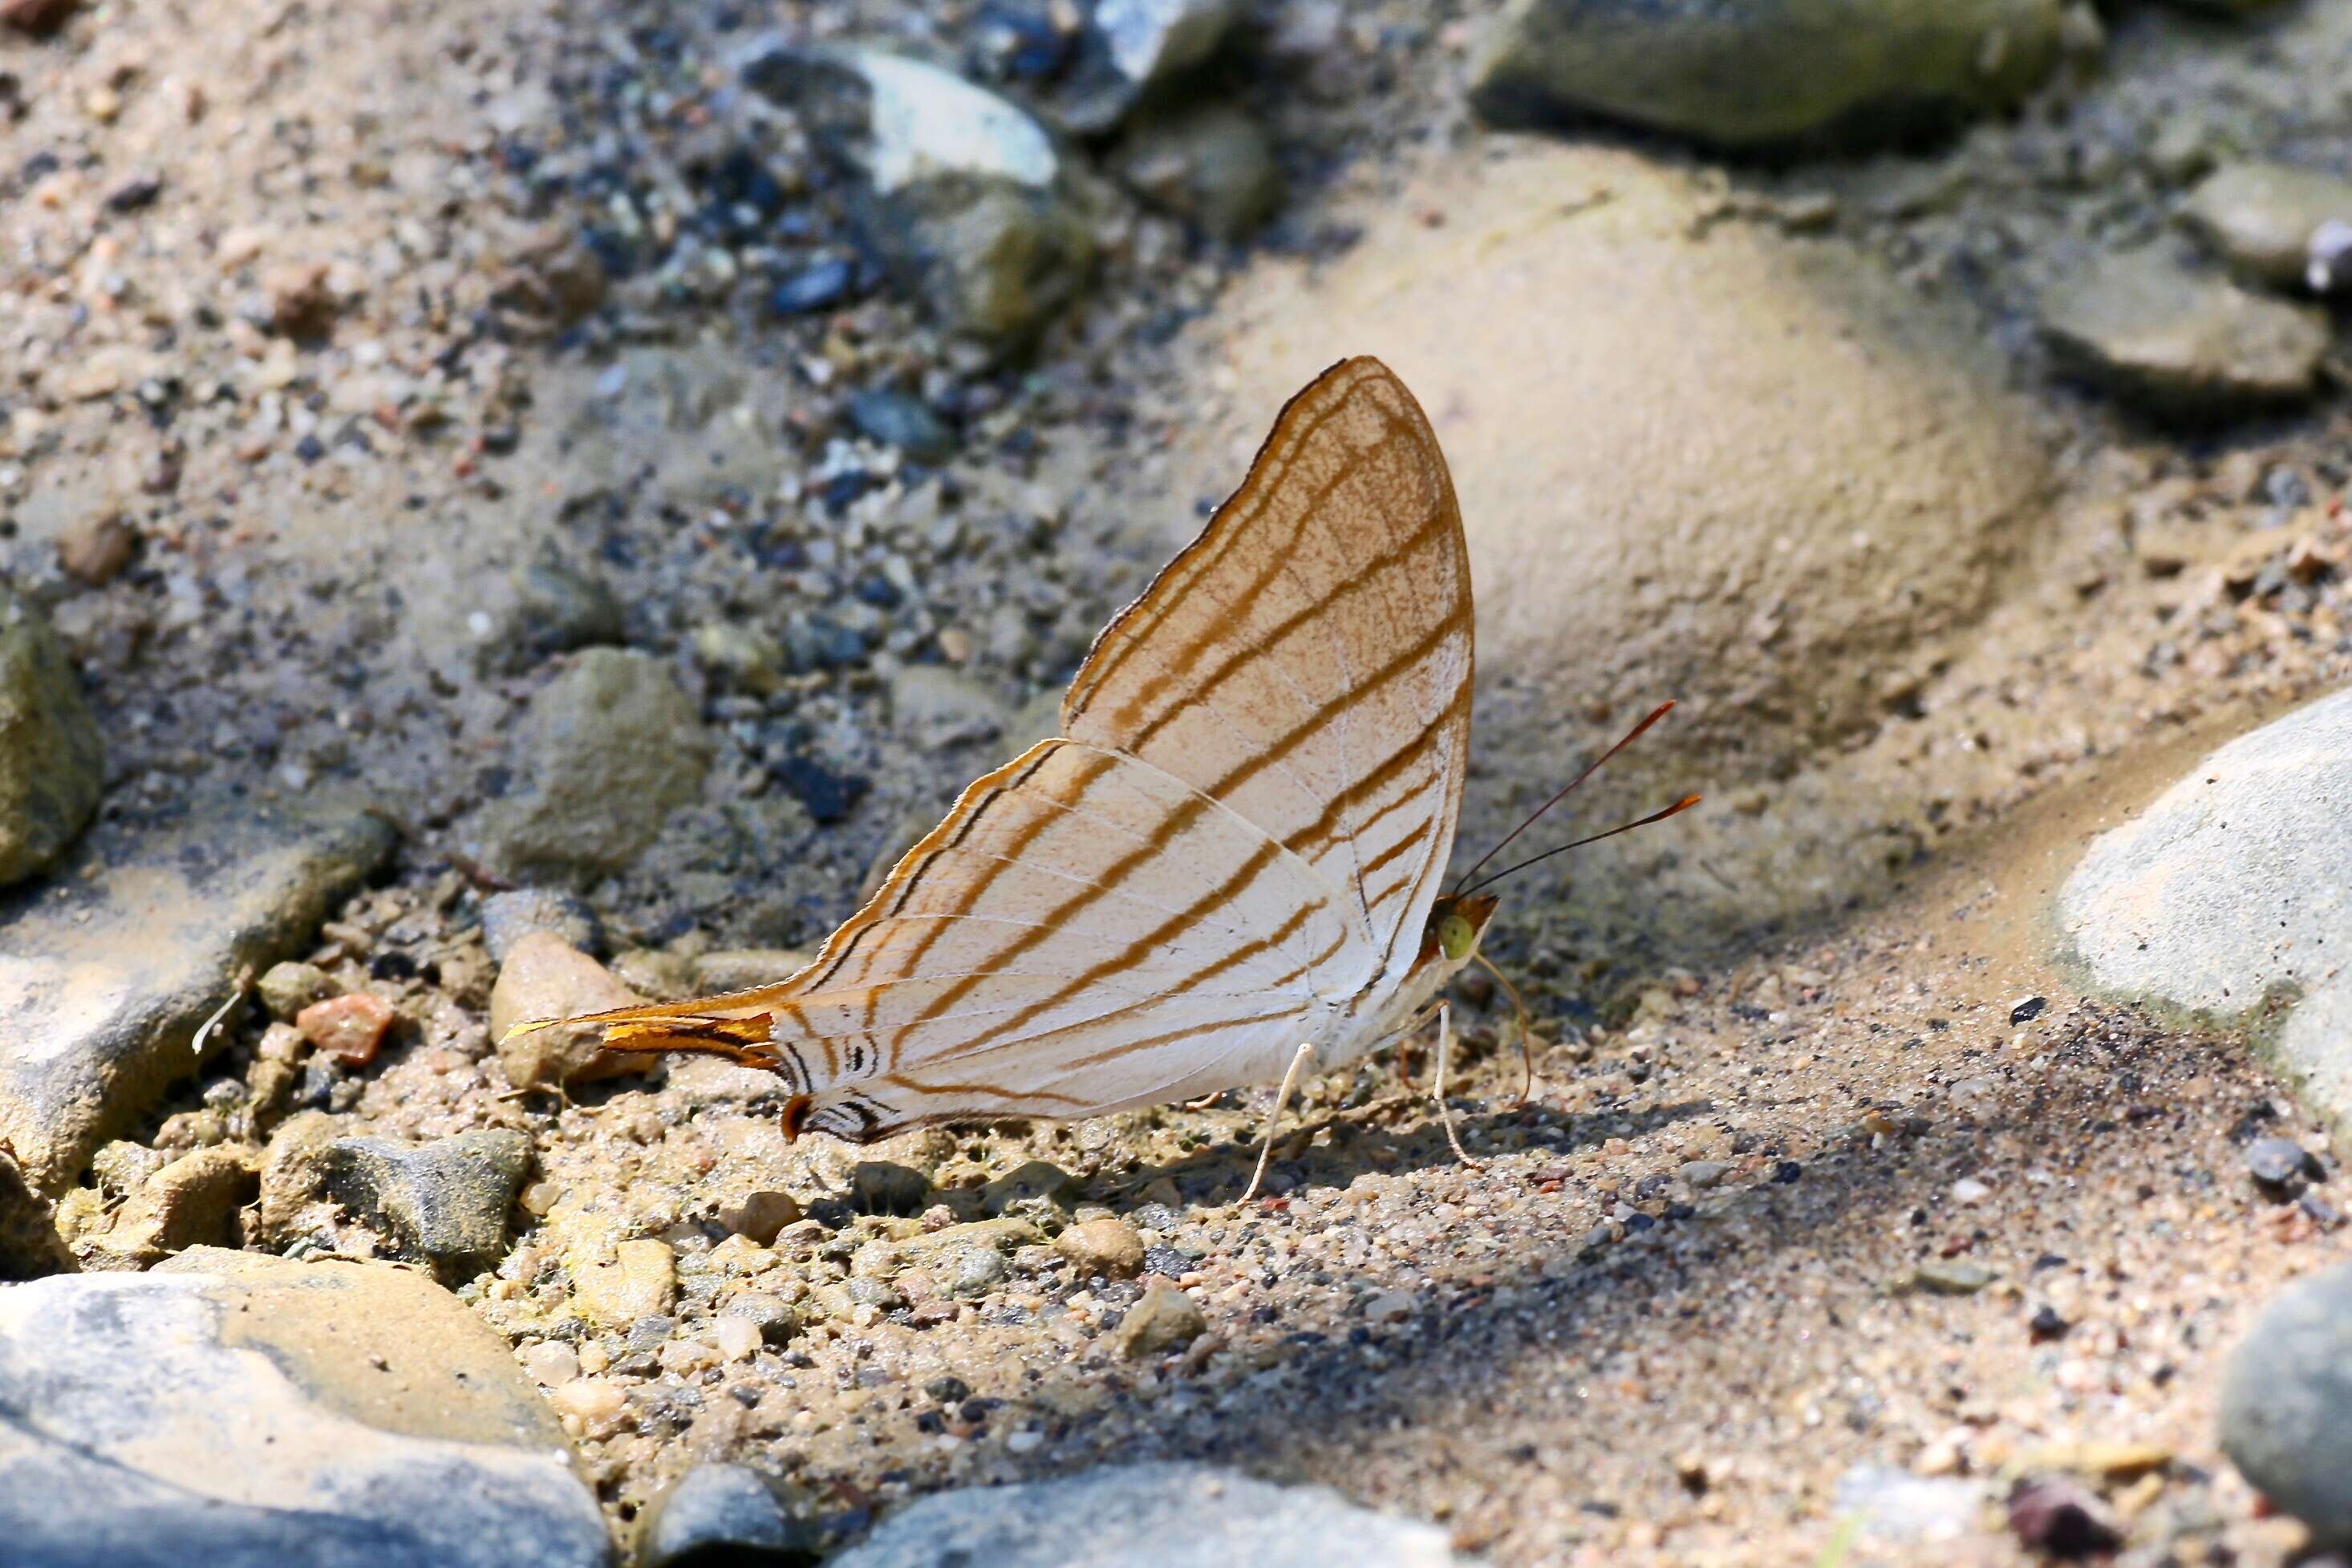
x=1274 y=1122
x=1445 y=1115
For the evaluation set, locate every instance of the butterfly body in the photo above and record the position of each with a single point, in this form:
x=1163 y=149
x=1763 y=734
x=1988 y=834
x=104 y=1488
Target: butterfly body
x=1231 y=850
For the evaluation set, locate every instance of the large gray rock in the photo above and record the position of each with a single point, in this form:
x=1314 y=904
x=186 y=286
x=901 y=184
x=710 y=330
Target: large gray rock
x=1763 y=72
x=614 y=748
x=2261 y=217
x=247 y=1412
x=1149 y=1516
x=2286 y=1405
x=963 y=195
x=106 y=979
x=52 y=760
x=2227 y=895
x=1697 y=458
x=2181 y=345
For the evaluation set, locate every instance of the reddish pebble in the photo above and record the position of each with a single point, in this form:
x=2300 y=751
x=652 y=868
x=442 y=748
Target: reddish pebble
x=350 y=1026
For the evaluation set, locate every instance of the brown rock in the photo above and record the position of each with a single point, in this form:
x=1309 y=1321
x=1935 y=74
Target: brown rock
x=348 y=1027
x=546 y=978
x=1104 y=1245
x=94 y=547
x=1164 y=1319
x=191 y=1202
x=761 y=1215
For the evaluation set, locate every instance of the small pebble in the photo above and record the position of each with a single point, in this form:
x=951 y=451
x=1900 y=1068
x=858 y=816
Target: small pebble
x=551 y=1363
x=1165 y=1319
x=287 y=988
x=1104 y=1245
x=2279 y=1163
x=737 y=1338
x=817 y=287
x=349 y=1028
x=1951 y=1277
x=761 y=1215
x=2028 y=1010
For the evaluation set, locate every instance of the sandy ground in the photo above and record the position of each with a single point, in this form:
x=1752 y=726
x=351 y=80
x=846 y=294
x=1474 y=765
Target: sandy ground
x=1583 y=1350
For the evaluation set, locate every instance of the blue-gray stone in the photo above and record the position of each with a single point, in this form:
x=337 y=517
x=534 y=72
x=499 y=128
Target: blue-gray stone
x=724 y=1512
x=2286 y=1405
x=1150 y=1516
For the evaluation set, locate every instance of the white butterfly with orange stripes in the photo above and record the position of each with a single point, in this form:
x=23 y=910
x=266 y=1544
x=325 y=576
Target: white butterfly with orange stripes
x=1226 y=867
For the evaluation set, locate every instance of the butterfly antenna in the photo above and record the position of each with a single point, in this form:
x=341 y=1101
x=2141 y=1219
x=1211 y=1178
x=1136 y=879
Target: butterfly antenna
x=1632 y=736
x=1685 y=804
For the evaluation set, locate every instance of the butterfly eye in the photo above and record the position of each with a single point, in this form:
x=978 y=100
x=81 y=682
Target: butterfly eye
x=1456 y=938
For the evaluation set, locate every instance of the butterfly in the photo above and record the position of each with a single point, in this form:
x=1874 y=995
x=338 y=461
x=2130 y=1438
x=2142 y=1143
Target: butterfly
x=1224 y=870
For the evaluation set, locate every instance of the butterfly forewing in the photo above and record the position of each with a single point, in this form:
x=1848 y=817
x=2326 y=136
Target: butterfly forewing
x=1242 y=830
x=1307 y=659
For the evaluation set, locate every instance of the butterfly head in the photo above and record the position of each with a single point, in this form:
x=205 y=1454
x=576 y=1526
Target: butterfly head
x=1455 y=926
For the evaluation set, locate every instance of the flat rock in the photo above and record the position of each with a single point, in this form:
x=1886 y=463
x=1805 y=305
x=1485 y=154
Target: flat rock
x=1149 y=1516
x=2260 y=217
x=242 y=1411
x=963 y=195
x=2286 y=1405
x=612 y=748
x=1697 y=457
x=1765 y=72
x=52 y=759
x=2181 y=345
x=106 y=978
x=2217 y=900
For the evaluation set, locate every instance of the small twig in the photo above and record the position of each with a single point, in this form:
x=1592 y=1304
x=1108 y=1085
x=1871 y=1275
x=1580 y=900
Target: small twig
x=237 y=989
